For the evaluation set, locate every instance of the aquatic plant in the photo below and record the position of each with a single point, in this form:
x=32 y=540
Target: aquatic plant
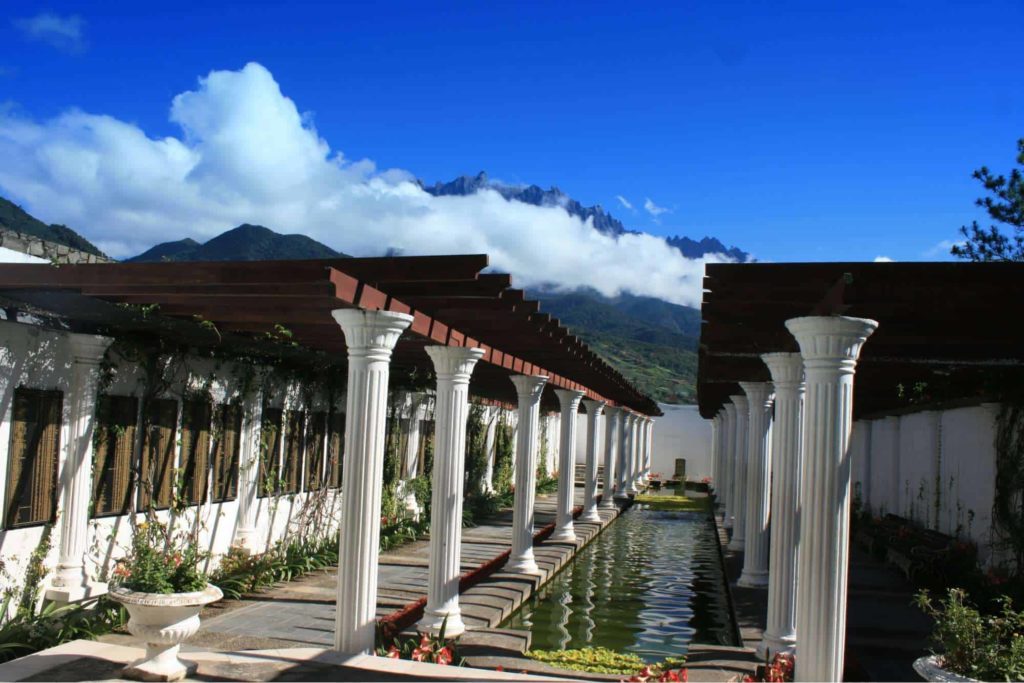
x=603 y=660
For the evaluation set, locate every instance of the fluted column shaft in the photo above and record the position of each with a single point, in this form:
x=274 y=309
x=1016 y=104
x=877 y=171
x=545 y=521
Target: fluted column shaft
x=759 y=460
x=631 y=453
x=593 y=409
x=246 y=536
x=739 y=474
x=611 y=446
x=491 y=416
x=830 y=347
x=728 y=463
x=716 y=457
x=623 y=464
x=529 y=389
x=453 y=366
x=71 y=583
x=370 y=336
x=788 y=376
x=564 y=528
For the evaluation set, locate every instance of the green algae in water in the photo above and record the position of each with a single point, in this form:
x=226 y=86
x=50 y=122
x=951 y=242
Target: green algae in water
x=650 y=584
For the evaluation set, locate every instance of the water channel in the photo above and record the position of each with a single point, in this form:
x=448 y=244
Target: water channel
x=651 y=583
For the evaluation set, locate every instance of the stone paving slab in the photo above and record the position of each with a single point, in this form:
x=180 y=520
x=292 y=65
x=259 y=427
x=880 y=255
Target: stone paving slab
x=302 y=611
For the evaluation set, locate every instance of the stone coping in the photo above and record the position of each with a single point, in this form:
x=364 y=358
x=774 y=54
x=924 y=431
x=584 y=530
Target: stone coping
x=93 y=660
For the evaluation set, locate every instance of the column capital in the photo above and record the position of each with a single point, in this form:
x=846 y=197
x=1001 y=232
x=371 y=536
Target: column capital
x=88 y=348
x=569 y=398
x=612 y=411
x=529 y=387
x=454 y=362
x=831 y=341
x=730 y=410
x=371 y=333
x=787 y=369
x=593 y=406
x=741 y=403
x=758 y=393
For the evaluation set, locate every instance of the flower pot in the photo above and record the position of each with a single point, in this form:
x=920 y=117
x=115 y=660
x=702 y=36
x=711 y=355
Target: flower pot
x=164 y=622
x=930 y=669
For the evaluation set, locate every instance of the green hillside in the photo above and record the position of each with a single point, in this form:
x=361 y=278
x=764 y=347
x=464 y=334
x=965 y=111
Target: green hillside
x=13 y=217
x=650 y=341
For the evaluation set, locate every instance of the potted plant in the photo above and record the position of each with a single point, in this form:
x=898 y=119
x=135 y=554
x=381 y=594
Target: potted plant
x=974 y=647
x=163 y=588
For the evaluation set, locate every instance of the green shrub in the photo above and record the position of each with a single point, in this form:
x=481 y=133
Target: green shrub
x=986 y=648
x=160 y=562
x=600 y=660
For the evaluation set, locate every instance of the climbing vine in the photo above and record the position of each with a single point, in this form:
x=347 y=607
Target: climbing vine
x=502 y=474
x=476 y=450
x=1008 y=507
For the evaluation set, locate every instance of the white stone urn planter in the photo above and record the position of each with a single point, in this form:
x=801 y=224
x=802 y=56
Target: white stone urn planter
x=164 y=621
x=930 y=669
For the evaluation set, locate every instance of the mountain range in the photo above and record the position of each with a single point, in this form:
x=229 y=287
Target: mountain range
x=651 y=341
x=603 y=221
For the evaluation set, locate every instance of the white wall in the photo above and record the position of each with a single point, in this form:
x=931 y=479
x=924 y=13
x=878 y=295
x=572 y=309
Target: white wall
x=937 y=468
x=682 y=433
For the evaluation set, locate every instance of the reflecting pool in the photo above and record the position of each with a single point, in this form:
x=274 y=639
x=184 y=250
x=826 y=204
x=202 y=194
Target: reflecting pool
x=651 y=583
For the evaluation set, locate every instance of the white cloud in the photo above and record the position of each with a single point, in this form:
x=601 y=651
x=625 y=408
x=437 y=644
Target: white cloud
x=247 y=154
x=625 y=202
x=883 y=259
x=64 y=33
x=941 y=250
x=653 y=208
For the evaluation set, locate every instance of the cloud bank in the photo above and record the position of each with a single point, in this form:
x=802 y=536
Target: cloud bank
x=247 y=154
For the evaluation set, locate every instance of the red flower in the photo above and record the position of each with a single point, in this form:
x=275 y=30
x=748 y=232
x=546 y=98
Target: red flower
x=684 y=676
x=499 y=668
x=393 y=653
x=444 y=656
x=420 y=655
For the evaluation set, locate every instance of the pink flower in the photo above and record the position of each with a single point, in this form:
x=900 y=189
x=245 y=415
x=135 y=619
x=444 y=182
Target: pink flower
x=393 y=653
x=420 y=655
x=444 y=656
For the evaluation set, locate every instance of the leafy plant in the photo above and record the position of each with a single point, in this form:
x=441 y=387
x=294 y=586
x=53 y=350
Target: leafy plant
x=161 y=562
x=605 y=661
x=28 y=630
x=987 y=648
x=431 y=649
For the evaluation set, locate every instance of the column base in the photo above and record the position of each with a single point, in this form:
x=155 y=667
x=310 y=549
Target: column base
x=565 y=534
x=607 y=503
x=726 y=522
x=433 y=621
x=590 y=515
x=737 y=544
x=772 y=645
x=68 y=594
x=246 y=540
x=753 y=580
x=524 y=564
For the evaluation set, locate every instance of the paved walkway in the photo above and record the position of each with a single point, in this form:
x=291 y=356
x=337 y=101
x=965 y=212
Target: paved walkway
x=301 y=613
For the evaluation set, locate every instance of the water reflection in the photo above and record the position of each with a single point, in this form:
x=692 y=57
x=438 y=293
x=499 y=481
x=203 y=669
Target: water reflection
x=651 y=584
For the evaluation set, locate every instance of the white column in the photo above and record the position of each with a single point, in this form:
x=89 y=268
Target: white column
x=645 y=450
x=638 y=448
x=739 y=474
x=830 y=347
x=570 y=401
x=728 y=462
x=716 y=456
x=71 y=583
x=650 y=446
x=611 y=446
x=529 y=389
x=453 y=366
x=370 y=336
x=630 y=460
x=788 y=376
x=759 y=468
x=246 y=536
x=622 y=467
x=491 y=417
x=594 y=409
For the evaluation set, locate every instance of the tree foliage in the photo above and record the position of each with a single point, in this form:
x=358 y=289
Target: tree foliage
x=1005 y=205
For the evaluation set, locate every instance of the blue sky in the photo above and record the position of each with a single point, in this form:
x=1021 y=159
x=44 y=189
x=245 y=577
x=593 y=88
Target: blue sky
x=792 y=131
